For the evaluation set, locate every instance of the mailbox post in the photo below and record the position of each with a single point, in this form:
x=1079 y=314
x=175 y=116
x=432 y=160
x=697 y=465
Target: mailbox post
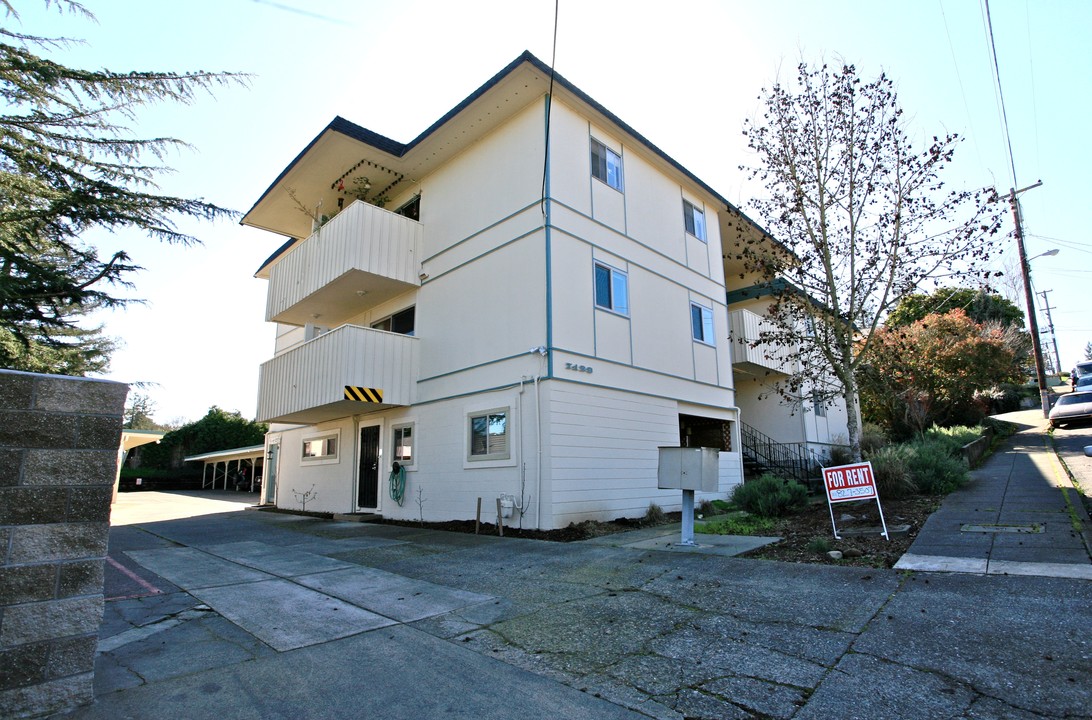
x=689 y=469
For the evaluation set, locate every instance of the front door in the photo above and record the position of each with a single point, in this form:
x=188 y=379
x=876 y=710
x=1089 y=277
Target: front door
x=367 y=493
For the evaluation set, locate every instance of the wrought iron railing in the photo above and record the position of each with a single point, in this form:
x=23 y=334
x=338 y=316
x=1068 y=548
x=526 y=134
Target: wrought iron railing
x=789 y=460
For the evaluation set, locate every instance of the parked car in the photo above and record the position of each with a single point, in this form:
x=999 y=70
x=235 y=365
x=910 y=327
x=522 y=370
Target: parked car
x=1084 y=382
x=1074 y=407
x=1081 y=369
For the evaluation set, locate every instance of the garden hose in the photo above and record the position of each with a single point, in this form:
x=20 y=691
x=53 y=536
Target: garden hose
x=397 y=482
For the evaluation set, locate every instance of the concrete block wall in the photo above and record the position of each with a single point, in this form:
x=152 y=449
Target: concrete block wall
x=59 y=440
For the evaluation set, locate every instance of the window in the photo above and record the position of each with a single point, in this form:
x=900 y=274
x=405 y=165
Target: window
x=701 y=323
x=611 y=289
x=402 y=436
x=401 y=322
x=489 y=435
x=694 y=219
x=606 y=165
x=320 y=448
x=817 y=403
x=412 y=209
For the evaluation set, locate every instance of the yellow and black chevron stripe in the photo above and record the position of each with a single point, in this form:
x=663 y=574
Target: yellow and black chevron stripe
x=363 y=394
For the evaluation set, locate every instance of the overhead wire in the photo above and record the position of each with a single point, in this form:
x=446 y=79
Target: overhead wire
x=549 y=106
x=1000 y=92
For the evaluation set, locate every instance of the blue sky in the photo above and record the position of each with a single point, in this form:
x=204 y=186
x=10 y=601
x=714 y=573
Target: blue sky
x=686 y=77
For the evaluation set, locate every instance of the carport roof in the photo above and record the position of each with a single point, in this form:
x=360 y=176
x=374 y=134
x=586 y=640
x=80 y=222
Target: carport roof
x=244 y=453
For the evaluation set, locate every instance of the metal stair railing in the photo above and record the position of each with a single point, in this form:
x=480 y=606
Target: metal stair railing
x=789 y=460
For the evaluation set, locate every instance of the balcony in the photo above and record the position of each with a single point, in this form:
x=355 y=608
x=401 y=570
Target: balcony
x=746 y=328
x=306 y=384
x=363 y=256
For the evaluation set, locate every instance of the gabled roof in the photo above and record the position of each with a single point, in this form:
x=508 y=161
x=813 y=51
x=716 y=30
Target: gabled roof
x=541 y=78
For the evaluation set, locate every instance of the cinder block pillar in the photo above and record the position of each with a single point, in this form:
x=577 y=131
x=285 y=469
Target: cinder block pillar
x=59 y=439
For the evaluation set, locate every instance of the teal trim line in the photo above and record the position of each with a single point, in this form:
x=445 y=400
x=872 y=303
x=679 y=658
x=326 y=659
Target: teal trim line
x=490 y=251
x=549 y=257
x=669 y=258
x=485 y=229
x=650 y=271
x=641 y=369
x=470 y=367
x=644 y=394
x=756 y=291
x=469 y=393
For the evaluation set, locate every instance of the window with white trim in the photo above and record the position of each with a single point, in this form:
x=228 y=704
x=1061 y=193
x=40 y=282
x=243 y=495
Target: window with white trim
x=611 y=289
x=321 y=448
x=402 y=450
x=701 y=323
x=694 y=220
x=818 y=404
x=488 y=435
x=606 y=165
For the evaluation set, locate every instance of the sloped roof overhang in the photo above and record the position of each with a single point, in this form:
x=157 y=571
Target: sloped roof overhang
x=344 y=148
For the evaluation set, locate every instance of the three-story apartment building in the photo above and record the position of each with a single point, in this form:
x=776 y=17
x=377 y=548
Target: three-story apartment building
x=536 y=308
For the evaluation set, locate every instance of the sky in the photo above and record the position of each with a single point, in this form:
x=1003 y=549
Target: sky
x=685 y=75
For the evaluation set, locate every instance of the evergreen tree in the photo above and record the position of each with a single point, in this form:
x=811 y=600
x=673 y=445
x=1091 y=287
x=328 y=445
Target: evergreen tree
x=69 y=164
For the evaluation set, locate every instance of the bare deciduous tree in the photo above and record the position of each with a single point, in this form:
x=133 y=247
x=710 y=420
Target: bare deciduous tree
x=863 y=217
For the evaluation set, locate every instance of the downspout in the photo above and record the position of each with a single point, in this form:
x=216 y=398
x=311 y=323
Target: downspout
x=547 y=219
x=538 y=459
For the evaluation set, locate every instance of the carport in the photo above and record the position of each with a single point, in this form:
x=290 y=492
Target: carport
x=238 y=467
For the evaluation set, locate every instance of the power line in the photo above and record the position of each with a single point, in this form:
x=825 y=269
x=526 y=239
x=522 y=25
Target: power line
x=1000 y=92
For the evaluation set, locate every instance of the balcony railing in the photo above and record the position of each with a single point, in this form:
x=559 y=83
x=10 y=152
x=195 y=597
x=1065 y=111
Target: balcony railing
x=307 y=383
x=747 y=350
x=363 y=256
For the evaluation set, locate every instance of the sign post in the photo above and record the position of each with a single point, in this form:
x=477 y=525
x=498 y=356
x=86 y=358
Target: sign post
x=845 y=483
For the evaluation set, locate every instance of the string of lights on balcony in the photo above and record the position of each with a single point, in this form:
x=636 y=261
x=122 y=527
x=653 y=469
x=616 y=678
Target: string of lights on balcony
x=339 y=182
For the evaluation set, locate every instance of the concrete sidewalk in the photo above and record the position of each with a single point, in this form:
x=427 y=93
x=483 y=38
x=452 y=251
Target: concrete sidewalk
x=1020 y=515
x=262 y=615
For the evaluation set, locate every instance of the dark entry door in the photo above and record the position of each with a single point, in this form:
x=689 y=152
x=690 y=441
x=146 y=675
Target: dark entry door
x=367 y=494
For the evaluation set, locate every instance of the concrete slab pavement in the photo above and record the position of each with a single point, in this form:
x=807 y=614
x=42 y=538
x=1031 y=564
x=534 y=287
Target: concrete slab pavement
x=443 y=625
x=1020 y=515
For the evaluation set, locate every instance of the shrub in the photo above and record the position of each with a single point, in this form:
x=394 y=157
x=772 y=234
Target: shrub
x=770 y=496
x=819 y=546
x=936 y=471
x=654 y=515
x=873 y=439
x=891 y=466
x=953 y=438
x=740 y=523
x=839 y=455
x=707 y=508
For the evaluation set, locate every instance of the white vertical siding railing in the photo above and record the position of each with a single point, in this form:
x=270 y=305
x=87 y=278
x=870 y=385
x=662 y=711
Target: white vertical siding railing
x=746 y=328
x=361 y=237
x=316 y=372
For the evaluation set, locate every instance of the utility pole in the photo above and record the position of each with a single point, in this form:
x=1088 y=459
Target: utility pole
x=1050 y=329
x=1033 y=324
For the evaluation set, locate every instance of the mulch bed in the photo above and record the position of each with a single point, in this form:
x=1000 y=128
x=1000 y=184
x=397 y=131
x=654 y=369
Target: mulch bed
x=803 y=532
x=800 y=532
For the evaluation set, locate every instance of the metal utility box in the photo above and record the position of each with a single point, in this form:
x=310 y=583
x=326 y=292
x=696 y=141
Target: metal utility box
x=685 y=468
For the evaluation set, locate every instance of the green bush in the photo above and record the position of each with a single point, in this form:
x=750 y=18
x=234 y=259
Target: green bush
x=953 y=438
x=873 y=439
x=739 y=523
x=770 y=496
x=654 y=515
x=839 y=455
x=892 y=468
x=820 y=546
x=936 y=470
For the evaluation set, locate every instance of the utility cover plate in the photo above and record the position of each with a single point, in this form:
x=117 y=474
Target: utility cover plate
x=987 y=528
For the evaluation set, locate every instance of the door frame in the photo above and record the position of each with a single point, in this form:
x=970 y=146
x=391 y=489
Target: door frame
x=361 y=425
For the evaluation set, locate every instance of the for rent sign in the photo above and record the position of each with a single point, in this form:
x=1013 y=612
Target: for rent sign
x=849 y=482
